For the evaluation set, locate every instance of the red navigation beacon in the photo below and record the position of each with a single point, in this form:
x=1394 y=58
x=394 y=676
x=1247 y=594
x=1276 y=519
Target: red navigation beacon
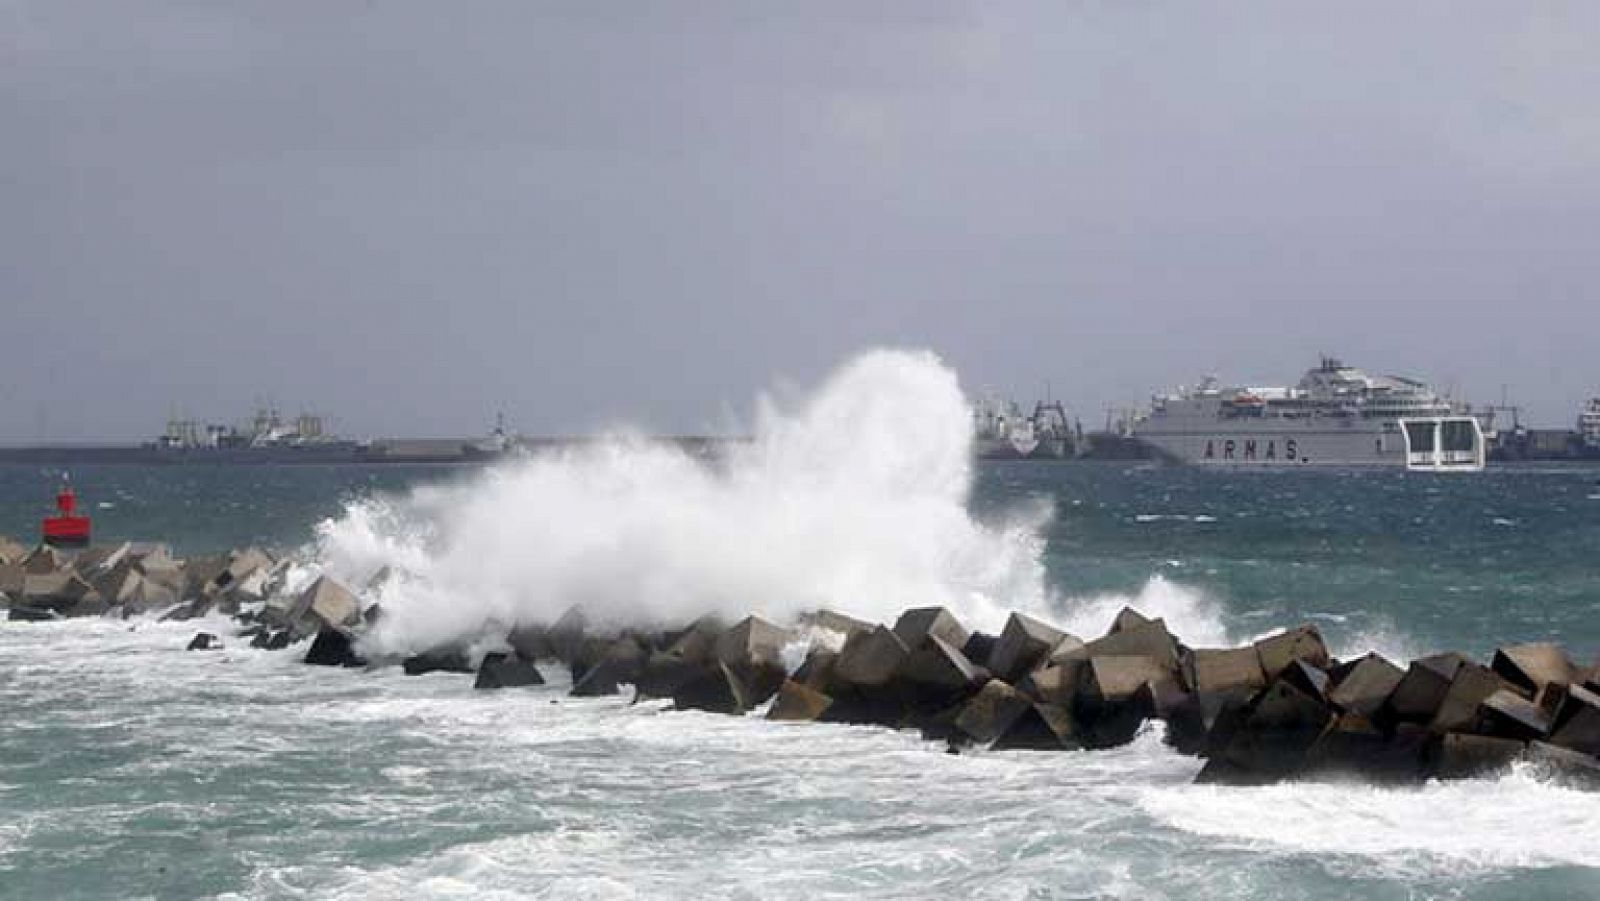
x=66 y=530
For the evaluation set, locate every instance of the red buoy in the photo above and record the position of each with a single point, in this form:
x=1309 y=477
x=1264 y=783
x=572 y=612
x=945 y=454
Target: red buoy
x=67 y=529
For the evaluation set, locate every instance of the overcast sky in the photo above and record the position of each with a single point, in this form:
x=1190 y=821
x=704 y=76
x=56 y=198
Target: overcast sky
x=410 y=215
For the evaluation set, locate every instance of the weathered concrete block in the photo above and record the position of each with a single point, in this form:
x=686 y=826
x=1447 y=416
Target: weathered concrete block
x=325 y=602
x=1110 y=679
x=57 y=591
x=664 y=673
x=698 y=642
x=752 y=642
x=1055 y=683
x=799 y=703
x=1421 y=690
x=333 y=647
x=1530 y=667
x=606 y=664
x=531 y=642
x=1302 y=643
x=447 y=659
x=1275 y=733
x=1041 y=727
x=12 y=577
x=816 y=671
x=507 y=671
x=870 y=658
x=1024 y=643
x=204 y=641
x=1128 y=619
x=1149 y=639
x=991 y=712
x=1211 y=671
x=833 y=621
x=1364 y=685
x=715 y=690
x=567 y=632
x=936 y=664
x=1576 y=725
x=1307 y=678
x=11 y=552
x=979 y=646
x=1458 y=756
x=43 y=560
x=1352 y=746
x=1507 y=714
x=1458 y=709
x=920 y=621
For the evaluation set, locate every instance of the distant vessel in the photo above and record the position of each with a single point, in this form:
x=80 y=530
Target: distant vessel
x=269 y=438
x=1002 y=431
x=1337 y=416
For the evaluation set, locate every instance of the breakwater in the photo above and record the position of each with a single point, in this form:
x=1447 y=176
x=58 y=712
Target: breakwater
x=1279 y=708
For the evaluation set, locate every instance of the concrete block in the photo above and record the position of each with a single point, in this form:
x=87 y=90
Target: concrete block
x=991 y=712
x=1364 y=685
x=798 y=703
x=1023 y=644
x=1110 y=679
x=1507 y=714
x=871 y=658
x=752 y=642
x=1127 y=619
x=333 y=647
x=531 y=642
x=506 y=671
x=1054 y=683
x=1211 y=671
x=917 y=622
x=204 y=641
x=1458 y=709
x=1041 y=727
x=1302 y=643
x=447 y=659
x=715 y=690
x=325 y=602
x=840 y=624
x=1576 y=725
x=1150 y=639
x=1421 y=690
x=935 y=663
x=1530 y=667
x=1458 y=756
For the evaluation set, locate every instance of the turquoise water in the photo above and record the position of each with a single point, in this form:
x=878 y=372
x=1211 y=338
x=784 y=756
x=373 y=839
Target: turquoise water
x=129 y=768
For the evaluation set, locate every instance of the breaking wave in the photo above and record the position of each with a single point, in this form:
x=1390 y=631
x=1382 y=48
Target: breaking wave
x=855 y=498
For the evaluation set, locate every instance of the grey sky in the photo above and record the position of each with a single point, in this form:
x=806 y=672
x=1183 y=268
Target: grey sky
x=408 y=215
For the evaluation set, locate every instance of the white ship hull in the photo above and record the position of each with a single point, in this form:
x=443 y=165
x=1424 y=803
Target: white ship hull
x=1289 y=445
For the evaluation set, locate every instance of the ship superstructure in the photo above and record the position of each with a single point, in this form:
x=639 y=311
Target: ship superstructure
x=1589 y=426
x=1001 y=430
x=1337 y=416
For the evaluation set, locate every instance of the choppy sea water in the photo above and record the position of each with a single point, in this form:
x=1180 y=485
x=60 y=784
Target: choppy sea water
x=130 y=768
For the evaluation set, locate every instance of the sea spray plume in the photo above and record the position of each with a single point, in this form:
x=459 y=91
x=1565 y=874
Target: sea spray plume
x=856 y=498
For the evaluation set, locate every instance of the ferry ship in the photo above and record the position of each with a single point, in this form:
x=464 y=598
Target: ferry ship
x=1338 y=416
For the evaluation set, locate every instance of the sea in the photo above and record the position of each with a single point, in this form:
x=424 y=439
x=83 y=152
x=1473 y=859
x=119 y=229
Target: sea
x=131 y=768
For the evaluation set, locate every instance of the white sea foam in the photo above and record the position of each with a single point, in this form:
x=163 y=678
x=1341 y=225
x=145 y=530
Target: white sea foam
x=856 y=498
x=1441 y=829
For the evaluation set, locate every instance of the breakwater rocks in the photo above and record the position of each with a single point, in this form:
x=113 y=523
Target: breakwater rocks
x=1280 y=708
